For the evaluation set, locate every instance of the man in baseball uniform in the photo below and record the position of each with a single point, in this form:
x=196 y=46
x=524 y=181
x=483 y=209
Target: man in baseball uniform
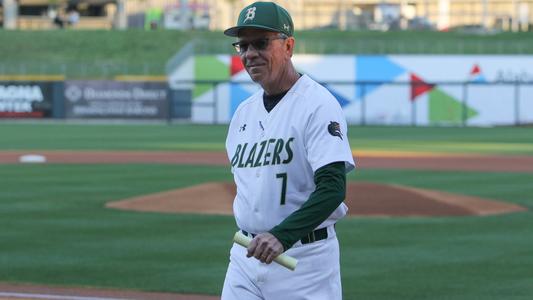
x=289 y=154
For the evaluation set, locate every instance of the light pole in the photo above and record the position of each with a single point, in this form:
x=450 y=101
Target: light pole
x=484 y=19
x=121 y=22
x=514 y=16
x=444 y=14
x=10 y=14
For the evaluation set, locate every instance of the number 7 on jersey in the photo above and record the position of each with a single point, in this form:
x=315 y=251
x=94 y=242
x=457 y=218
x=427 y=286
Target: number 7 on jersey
x=283 y=177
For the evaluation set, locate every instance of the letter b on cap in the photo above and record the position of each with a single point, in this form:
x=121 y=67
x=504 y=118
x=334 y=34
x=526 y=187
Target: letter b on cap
x=250 y=14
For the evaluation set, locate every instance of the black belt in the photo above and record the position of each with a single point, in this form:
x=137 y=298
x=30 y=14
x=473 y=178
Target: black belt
x=314 y=236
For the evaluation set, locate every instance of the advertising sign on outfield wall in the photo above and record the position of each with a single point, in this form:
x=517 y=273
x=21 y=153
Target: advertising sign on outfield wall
x=26 y=99
x=480 y=90
x=116 y=99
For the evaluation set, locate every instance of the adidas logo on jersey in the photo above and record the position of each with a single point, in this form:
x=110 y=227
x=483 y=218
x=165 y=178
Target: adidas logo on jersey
x=264 y=153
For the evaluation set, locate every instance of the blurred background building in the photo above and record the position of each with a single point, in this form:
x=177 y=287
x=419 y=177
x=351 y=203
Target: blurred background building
x=50 y=14
x=472 y=15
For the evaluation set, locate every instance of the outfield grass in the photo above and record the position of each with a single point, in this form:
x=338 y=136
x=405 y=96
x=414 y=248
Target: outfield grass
x=105 y=54
x=57 y=231
x=41 y=136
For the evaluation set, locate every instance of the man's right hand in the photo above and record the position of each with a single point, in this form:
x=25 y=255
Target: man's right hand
x=265 y=247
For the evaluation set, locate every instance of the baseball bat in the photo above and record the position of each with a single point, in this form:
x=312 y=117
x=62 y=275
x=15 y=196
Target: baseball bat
x=282 y=259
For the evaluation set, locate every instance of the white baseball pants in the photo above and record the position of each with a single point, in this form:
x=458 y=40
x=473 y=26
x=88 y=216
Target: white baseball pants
x=317 y=275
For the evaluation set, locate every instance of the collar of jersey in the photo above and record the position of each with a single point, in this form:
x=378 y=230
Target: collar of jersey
x=289 y=92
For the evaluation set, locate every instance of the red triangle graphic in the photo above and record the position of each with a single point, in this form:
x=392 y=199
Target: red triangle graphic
x=475 y=70
x=236 y=65
x=419 y=87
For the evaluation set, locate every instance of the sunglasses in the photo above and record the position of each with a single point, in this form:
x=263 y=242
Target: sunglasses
x=259 y=44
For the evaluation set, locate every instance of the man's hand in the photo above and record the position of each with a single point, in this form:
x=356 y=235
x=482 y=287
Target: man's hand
x=265 y=247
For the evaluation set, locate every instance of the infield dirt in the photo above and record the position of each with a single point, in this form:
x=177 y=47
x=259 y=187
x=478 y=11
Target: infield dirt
x=365 y=160
x=362 y=198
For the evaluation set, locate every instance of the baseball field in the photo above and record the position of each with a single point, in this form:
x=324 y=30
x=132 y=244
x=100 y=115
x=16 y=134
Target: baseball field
x=62 y=238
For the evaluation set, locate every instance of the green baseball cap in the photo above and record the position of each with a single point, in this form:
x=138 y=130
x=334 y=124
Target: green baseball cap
x=263 y=15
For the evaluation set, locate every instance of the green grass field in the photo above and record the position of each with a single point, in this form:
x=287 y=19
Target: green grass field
x=57 y=231
x=500 y=140
x=105 y=54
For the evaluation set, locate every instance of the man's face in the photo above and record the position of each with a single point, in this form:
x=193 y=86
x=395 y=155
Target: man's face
x=263 y=65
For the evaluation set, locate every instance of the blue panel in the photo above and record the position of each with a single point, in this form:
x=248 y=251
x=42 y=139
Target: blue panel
x=479 y=78
x=374 y=68
x=238 y=95
x=343 y=101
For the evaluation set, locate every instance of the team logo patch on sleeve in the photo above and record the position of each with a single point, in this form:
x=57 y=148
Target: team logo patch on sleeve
x=335 y=129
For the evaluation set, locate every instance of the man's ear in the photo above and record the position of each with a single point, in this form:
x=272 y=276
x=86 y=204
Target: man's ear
x=290 y=45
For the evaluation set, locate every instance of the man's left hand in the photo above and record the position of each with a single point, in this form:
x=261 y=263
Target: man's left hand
x=265 y=247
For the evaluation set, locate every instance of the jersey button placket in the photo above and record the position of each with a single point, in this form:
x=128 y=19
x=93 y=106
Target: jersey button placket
x=262 y=127
x=261 y=137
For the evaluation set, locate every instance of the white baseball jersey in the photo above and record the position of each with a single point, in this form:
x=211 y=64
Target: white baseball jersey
x=274 y=155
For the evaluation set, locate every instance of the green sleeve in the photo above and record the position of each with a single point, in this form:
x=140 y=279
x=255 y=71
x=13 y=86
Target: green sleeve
x=330 y=191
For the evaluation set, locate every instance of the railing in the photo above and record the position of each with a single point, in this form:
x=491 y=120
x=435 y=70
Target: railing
x=45 y=23
x=384 y=45
x=365 y=103
x=517 y=102
x=82 y=70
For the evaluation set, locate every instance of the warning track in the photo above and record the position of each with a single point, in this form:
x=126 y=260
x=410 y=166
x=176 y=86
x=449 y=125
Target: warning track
x=365 y=160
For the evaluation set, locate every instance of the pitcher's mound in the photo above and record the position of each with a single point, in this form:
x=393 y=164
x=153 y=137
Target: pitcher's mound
x=363 y=199
x=373 y=199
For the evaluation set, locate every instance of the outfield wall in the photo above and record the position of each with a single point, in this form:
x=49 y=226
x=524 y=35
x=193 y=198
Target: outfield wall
x=387 y=90
x=414 y=90
x=27 y=97
x=116 y=99
x=30 y=98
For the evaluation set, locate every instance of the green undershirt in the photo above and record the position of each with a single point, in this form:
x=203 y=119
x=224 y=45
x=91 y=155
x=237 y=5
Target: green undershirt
x=330 y=191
